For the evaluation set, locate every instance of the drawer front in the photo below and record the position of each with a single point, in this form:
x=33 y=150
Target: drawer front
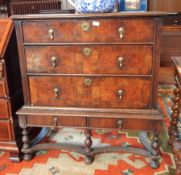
x=101 y=30
x=5 y=131
x=4 y=109
x=75 y=121
x=105 y=92
x=110 y=59
x=55 y=121
x=3 y=92
x=120 y=123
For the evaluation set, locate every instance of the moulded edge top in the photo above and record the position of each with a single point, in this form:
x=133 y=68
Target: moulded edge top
x=93 y=15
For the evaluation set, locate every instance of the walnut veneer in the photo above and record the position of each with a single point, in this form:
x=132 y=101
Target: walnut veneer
x=90 y=71
x=10 y=91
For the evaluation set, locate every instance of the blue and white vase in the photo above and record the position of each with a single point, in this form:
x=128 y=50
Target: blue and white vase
x=94 y=6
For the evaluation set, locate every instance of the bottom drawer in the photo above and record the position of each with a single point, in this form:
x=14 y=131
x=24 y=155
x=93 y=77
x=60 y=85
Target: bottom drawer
x=130 y=124
x=5 y=131
x=53 y=121
x=92 y=122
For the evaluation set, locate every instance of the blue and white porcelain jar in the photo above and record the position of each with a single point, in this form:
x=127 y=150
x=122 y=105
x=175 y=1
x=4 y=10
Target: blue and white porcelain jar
x=94 y=6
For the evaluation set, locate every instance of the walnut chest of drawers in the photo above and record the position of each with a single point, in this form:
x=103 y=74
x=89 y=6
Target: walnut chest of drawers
x=10 y=90
x=90 y=71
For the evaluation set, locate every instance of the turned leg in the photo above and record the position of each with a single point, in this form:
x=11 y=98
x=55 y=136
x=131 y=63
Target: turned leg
x=173 y=130
x=26 y=145
x=177 y=156
x=25 y=138
x=155 y=152
x=87 y=147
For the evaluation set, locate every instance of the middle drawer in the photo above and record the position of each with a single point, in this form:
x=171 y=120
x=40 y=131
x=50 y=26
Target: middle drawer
x=100 y=59
x=98 y=92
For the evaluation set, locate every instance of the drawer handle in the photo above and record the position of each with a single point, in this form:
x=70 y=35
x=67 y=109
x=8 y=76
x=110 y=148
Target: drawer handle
x=121 y=32
x=120 y=94
x=176 y=21
x=1 y=69
x=87 y=51
x=120 y=124
x=121 y=62
x=85 y=26
x=56 y=92
x=55 y=122
x=87 y=81
x=54 y=61
x=51 y=34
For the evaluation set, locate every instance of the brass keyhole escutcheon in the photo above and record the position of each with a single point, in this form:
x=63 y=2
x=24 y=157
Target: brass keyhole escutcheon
x=121 y=62
x=87 y=81
x=85 y=26
x=120 y=93
x=56 y=92
x=51 y=34
x=54 y=61
x=87 y=51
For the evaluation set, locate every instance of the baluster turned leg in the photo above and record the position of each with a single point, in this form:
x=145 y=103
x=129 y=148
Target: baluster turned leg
x=155 y=152
x=87 y=147
x=173 y=130
x=26 y=145
x=25 y=138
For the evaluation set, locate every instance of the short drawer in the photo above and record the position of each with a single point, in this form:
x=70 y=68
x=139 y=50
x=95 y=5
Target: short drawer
x=130 y=124
x=3 y=92
x=4 y=109
x=101 y=59
x=5 y=131
x=89 y=30
x=105 y=92
x=54 y=121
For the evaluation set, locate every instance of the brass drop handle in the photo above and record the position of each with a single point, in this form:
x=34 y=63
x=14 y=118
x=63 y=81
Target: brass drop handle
x=54 y=61
x=120 y=123
x=121 y=62
x=121 y=32
x=55 y=122
x=87 y=51
x=56 y=92
x=51 y=34
x=87 y=81
x=120 y=94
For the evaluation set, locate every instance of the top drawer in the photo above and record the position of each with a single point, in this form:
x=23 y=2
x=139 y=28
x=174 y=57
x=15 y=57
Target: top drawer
x=89 y=31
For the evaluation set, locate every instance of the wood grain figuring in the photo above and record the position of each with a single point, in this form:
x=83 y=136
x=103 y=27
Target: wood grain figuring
x=5 y=131
x=126 y=123
x=3 y=87
x=4 y=106
x=5 y=30
x=74 y=92
x=106 y=31
x=103 y=59
x=54 y=121
x=93 y=122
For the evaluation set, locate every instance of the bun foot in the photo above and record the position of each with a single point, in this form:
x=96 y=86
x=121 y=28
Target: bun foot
x=88 y=160
x=154 y=164
x=27 y=157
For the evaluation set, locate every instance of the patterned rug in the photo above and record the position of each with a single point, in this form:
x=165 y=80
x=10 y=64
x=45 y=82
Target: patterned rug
x=60 y=162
